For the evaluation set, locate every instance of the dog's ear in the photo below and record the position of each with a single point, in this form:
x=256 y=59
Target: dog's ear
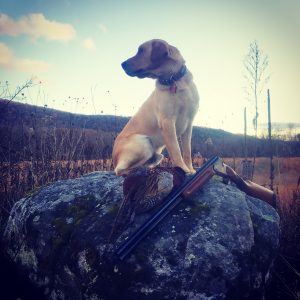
x=159 y=51
x=174 y=54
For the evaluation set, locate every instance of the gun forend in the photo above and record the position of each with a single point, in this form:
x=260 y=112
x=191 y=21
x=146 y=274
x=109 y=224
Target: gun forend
x=198 y=184
x=200 y=179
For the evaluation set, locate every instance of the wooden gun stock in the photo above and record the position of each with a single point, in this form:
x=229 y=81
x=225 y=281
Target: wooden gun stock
x=251 y=188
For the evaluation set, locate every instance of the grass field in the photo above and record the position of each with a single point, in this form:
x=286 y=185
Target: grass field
x=286 y=177
x=18 y=179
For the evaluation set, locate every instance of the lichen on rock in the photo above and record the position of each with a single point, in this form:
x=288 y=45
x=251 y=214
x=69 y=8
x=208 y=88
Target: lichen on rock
x=218 y=245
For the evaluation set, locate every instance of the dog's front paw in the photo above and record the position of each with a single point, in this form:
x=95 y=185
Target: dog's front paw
x=192 y=171
x=189 y=171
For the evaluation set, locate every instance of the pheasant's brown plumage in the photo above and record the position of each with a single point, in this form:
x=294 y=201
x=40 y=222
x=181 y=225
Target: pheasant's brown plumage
x=144 y=189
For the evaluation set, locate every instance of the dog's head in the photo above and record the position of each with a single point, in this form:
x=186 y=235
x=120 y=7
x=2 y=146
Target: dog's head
x=154 y=59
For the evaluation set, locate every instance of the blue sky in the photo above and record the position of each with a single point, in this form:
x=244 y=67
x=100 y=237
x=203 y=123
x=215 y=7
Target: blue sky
x=75 y=49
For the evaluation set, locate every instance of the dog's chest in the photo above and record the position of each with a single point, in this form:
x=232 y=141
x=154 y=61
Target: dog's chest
x=182 y=121
x=186 y=108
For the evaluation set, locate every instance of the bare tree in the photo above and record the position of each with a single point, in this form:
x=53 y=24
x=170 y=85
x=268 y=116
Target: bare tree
x=291 y=128
x=255 y=63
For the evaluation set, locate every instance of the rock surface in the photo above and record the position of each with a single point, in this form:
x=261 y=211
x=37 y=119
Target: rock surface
x=218 y=245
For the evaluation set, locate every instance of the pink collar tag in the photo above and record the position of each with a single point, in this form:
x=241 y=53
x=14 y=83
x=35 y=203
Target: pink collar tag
x=173 y=88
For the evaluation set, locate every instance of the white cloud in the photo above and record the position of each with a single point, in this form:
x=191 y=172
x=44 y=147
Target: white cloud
x=102 y=28
x=89 y=44
x=6 y=56
x=9 y=61
x=36 y=26
x=31 y=65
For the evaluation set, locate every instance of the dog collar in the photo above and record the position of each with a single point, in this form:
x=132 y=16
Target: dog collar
x=171 y=81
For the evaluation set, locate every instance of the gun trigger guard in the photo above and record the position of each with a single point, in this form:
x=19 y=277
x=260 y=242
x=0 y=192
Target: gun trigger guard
x=220 y=168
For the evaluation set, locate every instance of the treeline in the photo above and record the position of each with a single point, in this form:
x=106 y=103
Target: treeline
x=210 y=142
x=31 y=133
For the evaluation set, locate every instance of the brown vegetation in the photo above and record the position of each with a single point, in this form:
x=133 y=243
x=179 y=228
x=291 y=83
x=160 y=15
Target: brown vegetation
x=31 y=133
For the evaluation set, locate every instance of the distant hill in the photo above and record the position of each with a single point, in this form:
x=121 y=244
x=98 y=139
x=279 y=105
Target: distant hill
x=10 y=112
x=28 y=131
x=48 y=117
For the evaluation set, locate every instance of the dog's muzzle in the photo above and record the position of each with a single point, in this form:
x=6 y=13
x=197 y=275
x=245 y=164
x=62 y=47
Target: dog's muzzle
x=140 y=73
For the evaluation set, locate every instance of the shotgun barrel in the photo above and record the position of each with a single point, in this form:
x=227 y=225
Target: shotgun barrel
x=171 y=201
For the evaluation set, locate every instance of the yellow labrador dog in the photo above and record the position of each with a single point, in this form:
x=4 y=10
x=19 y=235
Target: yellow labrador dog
x=164 y=117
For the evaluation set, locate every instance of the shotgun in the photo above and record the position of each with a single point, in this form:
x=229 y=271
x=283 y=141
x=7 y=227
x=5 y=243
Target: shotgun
x=214 y=166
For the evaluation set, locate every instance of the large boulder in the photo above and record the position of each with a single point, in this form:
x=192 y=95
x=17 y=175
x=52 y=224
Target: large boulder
x=218 y=245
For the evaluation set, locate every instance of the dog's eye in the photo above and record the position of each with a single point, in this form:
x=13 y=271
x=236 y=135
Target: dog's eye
x=140 y=50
